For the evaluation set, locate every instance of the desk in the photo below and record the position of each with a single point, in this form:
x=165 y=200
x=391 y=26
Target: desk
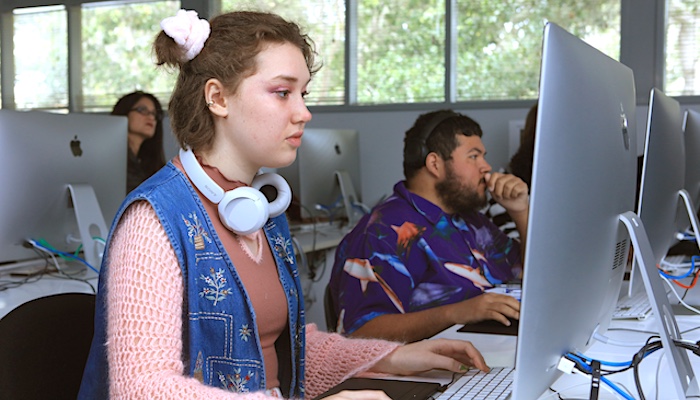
x=47 y=285
x=325 y=238
x=499 y=350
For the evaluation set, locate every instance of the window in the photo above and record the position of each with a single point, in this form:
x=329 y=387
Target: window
x=324 y=22
x=401 y=51
x=399 y=57
x=682 y=70
x=119 y=40
x=499 y=43
x=41 y=58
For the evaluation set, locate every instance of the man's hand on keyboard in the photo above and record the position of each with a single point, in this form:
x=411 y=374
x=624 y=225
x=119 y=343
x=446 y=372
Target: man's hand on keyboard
x=487 y=306
x=447 y=354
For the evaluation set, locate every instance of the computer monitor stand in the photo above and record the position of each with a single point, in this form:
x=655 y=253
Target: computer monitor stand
x=677 y=358
x=684 y=197
x=91 y=222
x=350 y=199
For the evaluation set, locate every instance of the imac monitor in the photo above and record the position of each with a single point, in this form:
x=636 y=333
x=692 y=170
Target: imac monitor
x=663 y=202
x=42 y=154
x=691 y=141
x=665 y=206
x=313 y=177
x=584 y=177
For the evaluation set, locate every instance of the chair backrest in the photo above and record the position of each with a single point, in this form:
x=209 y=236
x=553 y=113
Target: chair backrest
x=44 y=345
x=329 y=309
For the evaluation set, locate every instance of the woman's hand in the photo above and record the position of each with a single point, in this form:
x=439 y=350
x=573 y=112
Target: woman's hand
x=447 y=354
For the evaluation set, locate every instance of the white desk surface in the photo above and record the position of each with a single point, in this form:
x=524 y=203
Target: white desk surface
x=499 y=350
x=47 y=285
x=326 y=236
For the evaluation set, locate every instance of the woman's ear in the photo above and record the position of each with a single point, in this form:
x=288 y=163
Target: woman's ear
x=215 y=98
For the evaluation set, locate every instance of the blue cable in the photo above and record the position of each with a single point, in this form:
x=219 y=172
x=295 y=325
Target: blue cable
x=616 y=388
x=687 y=274
x=687 y=235
x=608 y=363
x=579 y=360
x=621 y=364
x=62 y=253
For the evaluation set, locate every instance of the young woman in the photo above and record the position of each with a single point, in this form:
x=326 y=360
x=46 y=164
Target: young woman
x=145 y=137
x=195 y=301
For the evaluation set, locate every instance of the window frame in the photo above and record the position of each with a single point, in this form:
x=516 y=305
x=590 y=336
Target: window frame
x=642 y=22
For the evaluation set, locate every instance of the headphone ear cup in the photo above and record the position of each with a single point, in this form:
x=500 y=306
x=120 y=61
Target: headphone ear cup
x=244 y=210
x=284 y=193
x=413 y=150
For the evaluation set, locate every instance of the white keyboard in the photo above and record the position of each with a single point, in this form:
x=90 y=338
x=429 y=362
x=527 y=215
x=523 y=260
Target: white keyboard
x=478 y=385
x=635 y=307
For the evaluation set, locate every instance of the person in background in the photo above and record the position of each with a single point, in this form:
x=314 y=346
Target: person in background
x=145 y=153
x=194 y=302
x=421 y=261
x=520 y=165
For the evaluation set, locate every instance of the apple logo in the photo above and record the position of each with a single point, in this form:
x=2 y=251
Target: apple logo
x=75 y=147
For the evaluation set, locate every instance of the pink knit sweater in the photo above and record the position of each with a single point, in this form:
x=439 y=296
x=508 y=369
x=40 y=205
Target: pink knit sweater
x=144 y=324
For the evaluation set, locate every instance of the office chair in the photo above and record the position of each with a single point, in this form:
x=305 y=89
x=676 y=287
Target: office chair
x=44 y=345
x=329 y=309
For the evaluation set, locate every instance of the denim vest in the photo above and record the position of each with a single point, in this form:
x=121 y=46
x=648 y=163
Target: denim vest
x=221 y=345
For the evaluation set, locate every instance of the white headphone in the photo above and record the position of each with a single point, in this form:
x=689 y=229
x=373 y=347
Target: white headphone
x=243 y=210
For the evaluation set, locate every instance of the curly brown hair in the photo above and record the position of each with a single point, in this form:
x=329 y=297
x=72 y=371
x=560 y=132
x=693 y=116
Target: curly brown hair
x=228 y=55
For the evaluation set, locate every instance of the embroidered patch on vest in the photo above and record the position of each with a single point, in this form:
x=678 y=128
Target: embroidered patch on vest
x=195 y=231
x=283 y=248
x=245 y=332
x=216 y=289
x=236 y=382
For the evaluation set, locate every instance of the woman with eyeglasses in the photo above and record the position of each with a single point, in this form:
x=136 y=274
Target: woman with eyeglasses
x=145 y=151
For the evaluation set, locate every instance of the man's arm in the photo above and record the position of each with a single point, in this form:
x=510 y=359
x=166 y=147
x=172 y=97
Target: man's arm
x=414 y=326
x=512 y=193
x=520 y=218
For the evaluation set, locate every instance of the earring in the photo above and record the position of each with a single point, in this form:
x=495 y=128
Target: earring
x=210 y=103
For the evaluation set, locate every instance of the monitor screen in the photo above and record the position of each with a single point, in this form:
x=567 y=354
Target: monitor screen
x=584 y=177
x=312 y=176
x=42 y=153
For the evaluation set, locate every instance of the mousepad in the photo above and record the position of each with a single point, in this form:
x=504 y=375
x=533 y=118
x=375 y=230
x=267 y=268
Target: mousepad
x=395 y=389
x=492 y=327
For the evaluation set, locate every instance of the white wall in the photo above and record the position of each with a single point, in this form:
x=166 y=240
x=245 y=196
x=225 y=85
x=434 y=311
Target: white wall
x=382 y=132
x=381 y=141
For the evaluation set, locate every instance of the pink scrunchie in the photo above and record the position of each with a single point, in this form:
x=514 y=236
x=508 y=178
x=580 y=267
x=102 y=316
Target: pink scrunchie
x=188 y=31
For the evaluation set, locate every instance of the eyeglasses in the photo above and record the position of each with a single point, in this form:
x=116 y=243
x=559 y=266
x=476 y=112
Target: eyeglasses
x=143 y=110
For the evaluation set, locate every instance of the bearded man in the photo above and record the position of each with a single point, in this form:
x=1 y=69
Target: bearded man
x=424 y=259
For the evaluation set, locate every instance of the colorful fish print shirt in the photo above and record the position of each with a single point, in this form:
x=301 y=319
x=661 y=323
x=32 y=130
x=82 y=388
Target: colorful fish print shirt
x=408 y=255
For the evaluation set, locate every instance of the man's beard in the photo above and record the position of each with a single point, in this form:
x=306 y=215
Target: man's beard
x=458 y=197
